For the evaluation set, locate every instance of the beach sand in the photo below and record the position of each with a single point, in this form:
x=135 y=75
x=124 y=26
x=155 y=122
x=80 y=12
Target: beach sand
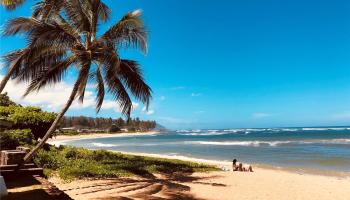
x=261 y=184
x=57 y=140
x=271 y=184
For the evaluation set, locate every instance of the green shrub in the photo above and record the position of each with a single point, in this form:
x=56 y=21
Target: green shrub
x=71 y=163
x=5 y=100
x=10 y=139
x=32 y=118
x=51 y=159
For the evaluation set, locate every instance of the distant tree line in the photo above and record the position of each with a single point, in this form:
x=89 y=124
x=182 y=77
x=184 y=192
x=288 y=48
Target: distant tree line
x=83 y=122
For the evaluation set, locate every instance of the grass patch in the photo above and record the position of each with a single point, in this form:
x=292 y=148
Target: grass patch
x=75 y=163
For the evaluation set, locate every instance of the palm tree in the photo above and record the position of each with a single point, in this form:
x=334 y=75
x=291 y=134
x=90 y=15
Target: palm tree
x=68 y=39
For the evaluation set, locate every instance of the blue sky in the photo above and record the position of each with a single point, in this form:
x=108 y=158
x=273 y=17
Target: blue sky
x=225 y=63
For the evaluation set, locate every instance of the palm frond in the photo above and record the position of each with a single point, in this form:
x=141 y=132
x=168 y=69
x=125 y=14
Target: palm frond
x=118 y=91
x=76 y=15
x=14 y=61
x=130 y=73
x=39 y=61
x=100 y=90
x=83 y=80
x=52 y=75
x=46 y=9
x=21 y=25
x=128 y=32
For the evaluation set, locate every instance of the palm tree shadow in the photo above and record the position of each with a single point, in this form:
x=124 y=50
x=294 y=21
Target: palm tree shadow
x=160 y=187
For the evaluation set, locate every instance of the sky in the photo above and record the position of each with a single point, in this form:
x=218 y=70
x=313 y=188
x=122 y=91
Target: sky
x=226 y=63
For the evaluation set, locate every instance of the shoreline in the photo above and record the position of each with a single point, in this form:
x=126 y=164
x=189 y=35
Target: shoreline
x=224 y=165
x=61 y=139
x=266 y=182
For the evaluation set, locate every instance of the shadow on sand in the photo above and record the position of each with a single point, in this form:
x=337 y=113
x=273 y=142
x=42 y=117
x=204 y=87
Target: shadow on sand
x=34 y=188
x=164 y=187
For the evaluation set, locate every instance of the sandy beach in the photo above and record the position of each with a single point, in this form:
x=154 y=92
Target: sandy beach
x=60 y=139
x=263 y=183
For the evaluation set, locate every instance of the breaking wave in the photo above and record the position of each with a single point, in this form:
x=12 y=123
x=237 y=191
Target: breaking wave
x=268 y=143
x=97 y=144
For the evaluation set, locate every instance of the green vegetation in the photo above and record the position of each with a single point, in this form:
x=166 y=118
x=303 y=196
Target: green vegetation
x=5 y=100
x=10 y=139
x=106 y=124
x=32 y=118
x=74 y=163
x=62 y=35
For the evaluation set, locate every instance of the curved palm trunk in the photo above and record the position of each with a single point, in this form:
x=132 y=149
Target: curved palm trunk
x=5 y=79
x=54 y=124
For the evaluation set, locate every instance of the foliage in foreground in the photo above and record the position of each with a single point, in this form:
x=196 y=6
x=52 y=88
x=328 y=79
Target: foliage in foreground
x=74 y=163
x=10 y=139
x=32 y=118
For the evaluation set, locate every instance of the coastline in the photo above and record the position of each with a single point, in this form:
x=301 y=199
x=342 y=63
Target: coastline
x=224 y=165
x=266 y=182
x=61 y=139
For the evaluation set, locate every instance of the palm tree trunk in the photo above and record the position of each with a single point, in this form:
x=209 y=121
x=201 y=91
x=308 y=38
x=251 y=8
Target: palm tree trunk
x=5 y=79
x=54 y=124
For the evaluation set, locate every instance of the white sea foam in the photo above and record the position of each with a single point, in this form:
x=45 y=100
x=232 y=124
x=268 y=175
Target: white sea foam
x=327 y=128
x=204 y=134
x=239 y=143
x=183 y=131
x=97 y=144
x=269 y=143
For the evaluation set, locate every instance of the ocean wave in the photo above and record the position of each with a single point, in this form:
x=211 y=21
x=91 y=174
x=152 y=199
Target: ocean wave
x=183 y=131
x=257 y=143
x=326 y=129
x=204 y=134
x=240 y=143
x=97 y=144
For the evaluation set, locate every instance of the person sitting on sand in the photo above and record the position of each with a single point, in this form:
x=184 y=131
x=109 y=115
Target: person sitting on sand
x=236 y=166
x=247 y=168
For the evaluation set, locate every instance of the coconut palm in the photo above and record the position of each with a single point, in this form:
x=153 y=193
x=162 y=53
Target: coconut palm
x=68 y=39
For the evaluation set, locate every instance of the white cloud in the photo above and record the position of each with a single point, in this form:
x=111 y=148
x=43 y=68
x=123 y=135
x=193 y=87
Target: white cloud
x=52 y=98
x=196 y=94
x=147 y=112
x=260 y=115
x=109 y=104
x=55 y=97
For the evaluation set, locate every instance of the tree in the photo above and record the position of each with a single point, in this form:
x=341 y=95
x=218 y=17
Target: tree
x=5 y=100
x=28 y=117
x=67 y=37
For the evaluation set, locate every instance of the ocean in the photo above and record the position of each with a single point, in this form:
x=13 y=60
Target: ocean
x=325 y=148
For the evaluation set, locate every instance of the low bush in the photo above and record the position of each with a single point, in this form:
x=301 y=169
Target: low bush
x=10 y=139
x=31 y=118
x=74 y=163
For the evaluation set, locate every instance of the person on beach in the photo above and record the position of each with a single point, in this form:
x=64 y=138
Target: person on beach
x=238 y=166
x=247 y=168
